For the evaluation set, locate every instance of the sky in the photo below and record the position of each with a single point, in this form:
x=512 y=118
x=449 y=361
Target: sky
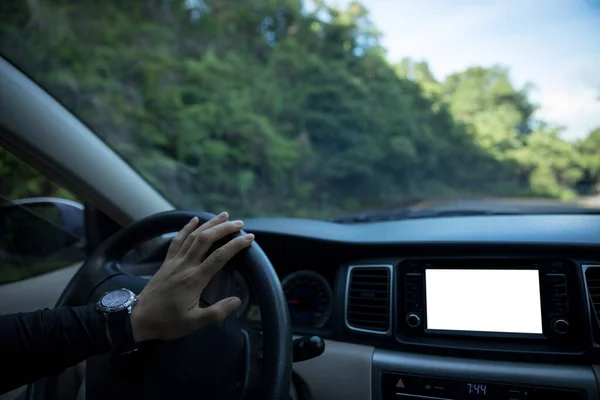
x=554 y=44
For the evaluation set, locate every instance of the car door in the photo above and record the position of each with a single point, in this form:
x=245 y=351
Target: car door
x=42 y=237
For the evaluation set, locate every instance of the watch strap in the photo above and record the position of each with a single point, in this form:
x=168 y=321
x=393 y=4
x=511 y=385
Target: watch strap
x=121 y=332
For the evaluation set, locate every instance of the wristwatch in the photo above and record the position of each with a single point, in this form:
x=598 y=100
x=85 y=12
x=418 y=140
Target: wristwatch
x=116 y=307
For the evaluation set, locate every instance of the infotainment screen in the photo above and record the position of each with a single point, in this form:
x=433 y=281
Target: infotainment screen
x=478 y=300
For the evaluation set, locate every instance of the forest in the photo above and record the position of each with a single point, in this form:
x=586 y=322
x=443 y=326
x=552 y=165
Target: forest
x=264 y=107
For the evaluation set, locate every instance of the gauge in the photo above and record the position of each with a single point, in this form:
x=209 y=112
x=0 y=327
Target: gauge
x=241 y=290
x=309 y=298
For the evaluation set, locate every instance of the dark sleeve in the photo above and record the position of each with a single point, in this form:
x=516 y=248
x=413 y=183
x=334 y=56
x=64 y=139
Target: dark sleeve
x=45 y=342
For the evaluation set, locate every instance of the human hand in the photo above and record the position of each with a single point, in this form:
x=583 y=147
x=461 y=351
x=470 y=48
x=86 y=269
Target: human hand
x=168 y=308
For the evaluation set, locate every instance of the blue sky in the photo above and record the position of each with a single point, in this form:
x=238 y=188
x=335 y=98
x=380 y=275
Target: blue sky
x=554 y=44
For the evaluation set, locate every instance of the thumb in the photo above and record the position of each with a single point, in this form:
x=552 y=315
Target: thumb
x=217 y=312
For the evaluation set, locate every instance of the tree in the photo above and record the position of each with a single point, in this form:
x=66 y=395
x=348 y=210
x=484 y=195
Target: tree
x=589 y=149
x=263 y=108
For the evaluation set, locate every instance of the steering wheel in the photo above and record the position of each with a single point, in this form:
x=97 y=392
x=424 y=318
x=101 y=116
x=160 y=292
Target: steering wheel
x=223 y=361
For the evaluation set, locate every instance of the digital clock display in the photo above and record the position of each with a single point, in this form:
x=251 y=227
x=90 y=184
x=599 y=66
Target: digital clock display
x=476 y=390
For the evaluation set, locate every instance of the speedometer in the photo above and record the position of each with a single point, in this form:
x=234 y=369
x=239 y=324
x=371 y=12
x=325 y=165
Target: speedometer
x=309 y=298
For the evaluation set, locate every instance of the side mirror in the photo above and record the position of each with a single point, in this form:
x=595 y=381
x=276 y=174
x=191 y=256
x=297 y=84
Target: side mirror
x=41 y=229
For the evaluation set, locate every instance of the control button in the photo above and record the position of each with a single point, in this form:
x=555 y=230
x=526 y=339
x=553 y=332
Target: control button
x=413 y=278
x=413 y=320
x=393 y=383
x=558 y=298
x=414 y=305
x=560 y=326
x=557 y=289
x=413 y=297
x=556 y=279
x=519 y=393
x=413 y=287
x=435 y=387
x=558 y=308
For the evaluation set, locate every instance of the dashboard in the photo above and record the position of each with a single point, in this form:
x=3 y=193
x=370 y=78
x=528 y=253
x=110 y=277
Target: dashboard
x=494 y=307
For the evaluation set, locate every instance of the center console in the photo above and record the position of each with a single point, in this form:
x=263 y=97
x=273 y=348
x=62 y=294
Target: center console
x=496 y=305
x=402 y=376
x=485 y=328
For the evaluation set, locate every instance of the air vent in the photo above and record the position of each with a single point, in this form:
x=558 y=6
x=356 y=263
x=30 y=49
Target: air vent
x=368 y=298
x=592 y=278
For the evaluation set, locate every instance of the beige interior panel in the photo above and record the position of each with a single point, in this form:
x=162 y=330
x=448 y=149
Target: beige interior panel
x=343 y=371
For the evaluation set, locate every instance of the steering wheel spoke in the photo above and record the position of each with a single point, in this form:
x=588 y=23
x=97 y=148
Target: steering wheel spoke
x=253 y=360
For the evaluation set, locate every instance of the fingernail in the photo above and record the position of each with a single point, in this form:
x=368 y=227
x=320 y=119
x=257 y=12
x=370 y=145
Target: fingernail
x=238 y=223
x=249 y=237
x=194 y=220
x=233 y=304
x=223 y=215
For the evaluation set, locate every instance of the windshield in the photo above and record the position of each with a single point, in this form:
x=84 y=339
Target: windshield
x=327 y=108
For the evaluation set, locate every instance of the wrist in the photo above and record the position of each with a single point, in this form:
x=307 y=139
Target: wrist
x=139 y=327
x=107 y=329
x=116 y=306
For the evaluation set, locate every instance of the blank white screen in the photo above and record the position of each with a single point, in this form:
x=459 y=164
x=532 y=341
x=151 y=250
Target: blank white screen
x=483 y=300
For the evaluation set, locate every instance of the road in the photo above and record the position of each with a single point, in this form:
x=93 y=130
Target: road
x=591 y=202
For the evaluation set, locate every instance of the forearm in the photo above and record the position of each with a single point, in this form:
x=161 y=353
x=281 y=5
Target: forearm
x=45 y=342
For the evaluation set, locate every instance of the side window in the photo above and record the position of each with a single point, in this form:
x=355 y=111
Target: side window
x=41 y=225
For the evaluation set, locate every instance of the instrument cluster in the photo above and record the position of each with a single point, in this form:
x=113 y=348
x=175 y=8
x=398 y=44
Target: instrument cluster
x=309 y=297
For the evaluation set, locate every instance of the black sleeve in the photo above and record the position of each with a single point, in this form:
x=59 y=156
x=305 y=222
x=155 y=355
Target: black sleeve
x=45 y=342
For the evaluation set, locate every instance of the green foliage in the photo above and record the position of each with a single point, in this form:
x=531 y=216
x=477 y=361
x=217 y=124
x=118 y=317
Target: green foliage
x=555 y=168
x=261 y=108
x=19 y=180
x=589 y=150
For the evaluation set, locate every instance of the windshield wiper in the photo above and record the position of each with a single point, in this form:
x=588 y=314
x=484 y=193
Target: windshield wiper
x=414 y=214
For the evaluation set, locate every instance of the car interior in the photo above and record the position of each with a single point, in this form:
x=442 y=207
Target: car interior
x=500 y=306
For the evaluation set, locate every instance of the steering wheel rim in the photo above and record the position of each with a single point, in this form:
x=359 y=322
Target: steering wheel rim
x=103 y=266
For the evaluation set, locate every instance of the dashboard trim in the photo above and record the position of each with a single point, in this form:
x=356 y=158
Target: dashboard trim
x=390 y=267
x=578 y=377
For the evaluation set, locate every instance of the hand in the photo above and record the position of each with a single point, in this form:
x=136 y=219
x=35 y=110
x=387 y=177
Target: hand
x=168 y=306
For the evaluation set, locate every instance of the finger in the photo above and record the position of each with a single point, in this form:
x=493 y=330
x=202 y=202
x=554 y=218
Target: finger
x=183 y=234
x=206 y=239
x=216 y=313
x=219 y=219
x=223 y=254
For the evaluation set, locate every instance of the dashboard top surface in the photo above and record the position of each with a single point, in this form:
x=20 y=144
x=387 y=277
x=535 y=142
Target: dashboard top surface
x=523 y=229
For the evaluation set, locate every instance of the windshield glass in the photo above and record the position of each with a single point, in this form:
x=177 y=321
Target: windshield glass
x=327 y=108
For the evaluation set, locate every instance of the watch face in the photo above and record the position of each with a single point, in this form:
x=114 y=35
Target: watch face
x=115 y=299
